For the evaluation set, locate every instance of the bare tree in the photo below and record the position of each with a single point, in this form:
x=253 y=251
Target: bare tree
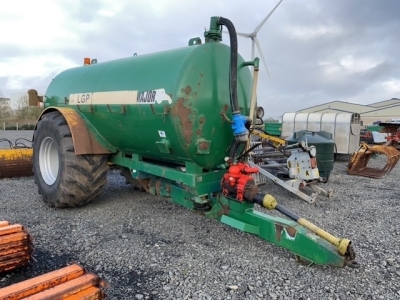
x=26 y=112
x=5 y=109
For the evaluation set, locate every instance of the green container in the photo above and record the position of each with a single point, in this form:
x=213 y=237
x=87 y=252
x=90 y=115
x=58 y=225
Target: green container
x=274 y=129
x=163 y=106
x=374 y=128
x=324 y=145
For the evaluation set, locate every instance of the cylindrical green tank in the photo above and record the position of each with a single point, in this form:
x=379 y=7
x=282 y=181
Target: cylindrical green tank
x=165 y=106
x=324 y=145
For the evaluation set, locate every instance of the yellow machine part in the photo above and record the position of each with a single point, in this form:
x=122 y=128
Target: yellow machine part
x=15 y=246
x=359 y=160
x=71 y=282
x=275 y=141
x=16 y=162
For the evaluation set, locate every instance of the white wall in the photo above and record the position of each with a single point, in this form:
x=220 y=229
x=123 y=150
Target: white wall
x=18 y=100
x=5 y=101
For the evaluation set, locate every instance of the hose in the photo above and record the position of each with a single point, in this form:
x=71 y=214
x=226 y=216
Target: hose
x=17 y=144
x=233 y=62
x=238 y=121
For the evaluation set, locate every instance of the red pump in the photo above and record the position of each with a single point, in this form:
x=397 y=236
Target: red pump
x=239 y=182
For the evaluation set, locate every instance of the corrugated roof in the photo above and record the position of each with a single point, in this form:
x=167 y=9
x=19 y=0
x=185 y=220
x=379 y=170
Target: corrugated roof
x=385 y=102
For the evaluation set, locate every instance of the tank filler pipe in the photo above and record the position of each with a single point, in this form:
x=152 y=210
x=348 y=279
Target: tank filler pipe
x=238 y=121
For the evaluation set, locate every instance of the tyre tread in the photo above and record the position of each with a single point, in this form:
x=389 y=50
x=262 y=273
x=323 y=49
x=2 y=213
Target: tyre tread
x=84 y=175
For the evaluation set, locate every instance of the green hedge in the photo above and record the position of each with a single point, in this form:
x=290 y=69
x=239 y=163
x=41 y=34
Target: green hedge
x=27 y=127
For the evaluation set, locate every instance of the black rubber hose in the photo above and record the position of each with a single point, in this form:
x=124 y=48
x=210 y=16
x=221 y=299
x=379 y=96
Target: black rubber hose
x=248 y=151
x=233 y=61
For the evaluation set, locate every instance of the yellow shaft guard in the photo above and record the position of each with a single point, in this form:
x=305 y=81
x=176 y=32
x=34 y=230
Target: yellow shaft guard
x=269 y=202
x=341 y=244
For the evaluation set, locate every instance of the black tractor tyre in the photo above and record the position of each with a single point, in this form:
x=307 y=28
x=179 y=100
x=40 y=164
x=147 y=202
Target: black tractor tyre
x=63 y=178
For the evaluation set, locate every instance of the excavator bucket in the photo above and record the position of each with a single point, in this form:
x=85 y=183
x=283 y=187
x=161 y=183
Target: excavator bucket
x=15 y=246
x=16 y=162
x=359 y=160
x=71 y=282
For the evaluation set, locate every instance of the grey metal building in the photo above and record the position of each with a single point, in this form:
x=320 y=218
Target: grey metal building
x=379 y=111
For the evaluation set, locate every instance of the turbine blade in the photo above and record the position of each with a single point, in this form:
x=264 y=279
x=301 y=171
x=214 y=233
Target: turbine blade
x=247 y=35
x=266 y=18
x=261 y=55
x=253 y=49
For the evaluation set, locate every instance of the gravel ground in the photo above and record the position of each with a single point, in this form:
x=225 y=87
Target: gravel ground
x=146 y=247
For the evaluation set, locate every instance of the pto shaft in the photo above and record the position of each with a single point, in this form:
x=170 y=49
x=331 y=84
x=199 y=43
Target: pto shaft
x=343 y=245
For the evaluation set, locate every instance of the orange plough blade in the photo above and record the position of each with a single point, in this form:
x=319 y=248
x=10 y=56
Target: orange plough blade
x=15 y=246
x=71 y=282
x=359 y=160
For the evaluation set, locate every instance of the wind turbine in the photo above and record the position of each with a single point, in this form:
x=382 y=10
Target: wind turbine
x=255 y=43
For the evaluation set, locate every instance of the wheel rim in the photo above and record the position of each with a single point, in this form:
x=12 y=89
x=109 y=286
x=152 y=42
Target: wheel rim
x=48 y=160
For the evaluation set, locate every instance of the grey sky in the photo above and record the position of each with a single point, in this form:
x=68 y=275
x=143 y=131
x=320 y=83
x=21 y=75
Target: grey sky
x=316 y=50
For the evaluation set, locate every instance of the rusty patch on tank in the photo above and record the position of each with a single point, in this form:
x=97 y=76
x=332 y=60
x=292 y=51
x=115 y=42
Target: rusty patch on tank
x=183 y=113
x=199 y=131
x=290 y=231
x=204 y=145
x=187 y=90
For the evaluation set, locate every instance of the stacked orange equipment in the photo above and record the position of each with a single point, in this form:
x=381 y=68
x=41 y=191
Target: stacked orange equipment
x=70 y=283
x=15 y=246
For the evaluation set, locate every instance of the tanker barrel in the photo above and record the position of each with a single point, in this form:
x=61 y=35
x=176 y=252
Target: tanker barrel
x=343 y=245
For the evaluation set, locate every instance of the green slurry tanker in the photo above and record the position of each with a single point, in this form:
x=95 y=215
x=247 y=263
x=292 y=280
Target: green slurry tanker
x=177 y=124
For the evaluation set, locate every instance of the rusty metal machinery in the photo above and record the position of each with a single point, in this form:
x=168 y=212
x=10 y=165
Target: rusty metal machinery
x=16 y=161
x=358 y=164
x=70 y=283
x=15 y=246
x=293 y=167
x=177 y=122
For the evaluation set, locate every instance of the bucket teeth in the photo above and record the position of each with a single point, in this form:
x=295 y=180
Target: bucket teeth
x=359 y=161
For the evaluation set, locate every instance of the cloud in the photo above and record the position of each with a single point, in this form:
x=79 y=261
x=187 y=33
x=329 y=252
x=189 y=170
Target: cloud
x=316 y=51
x=16 y=74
